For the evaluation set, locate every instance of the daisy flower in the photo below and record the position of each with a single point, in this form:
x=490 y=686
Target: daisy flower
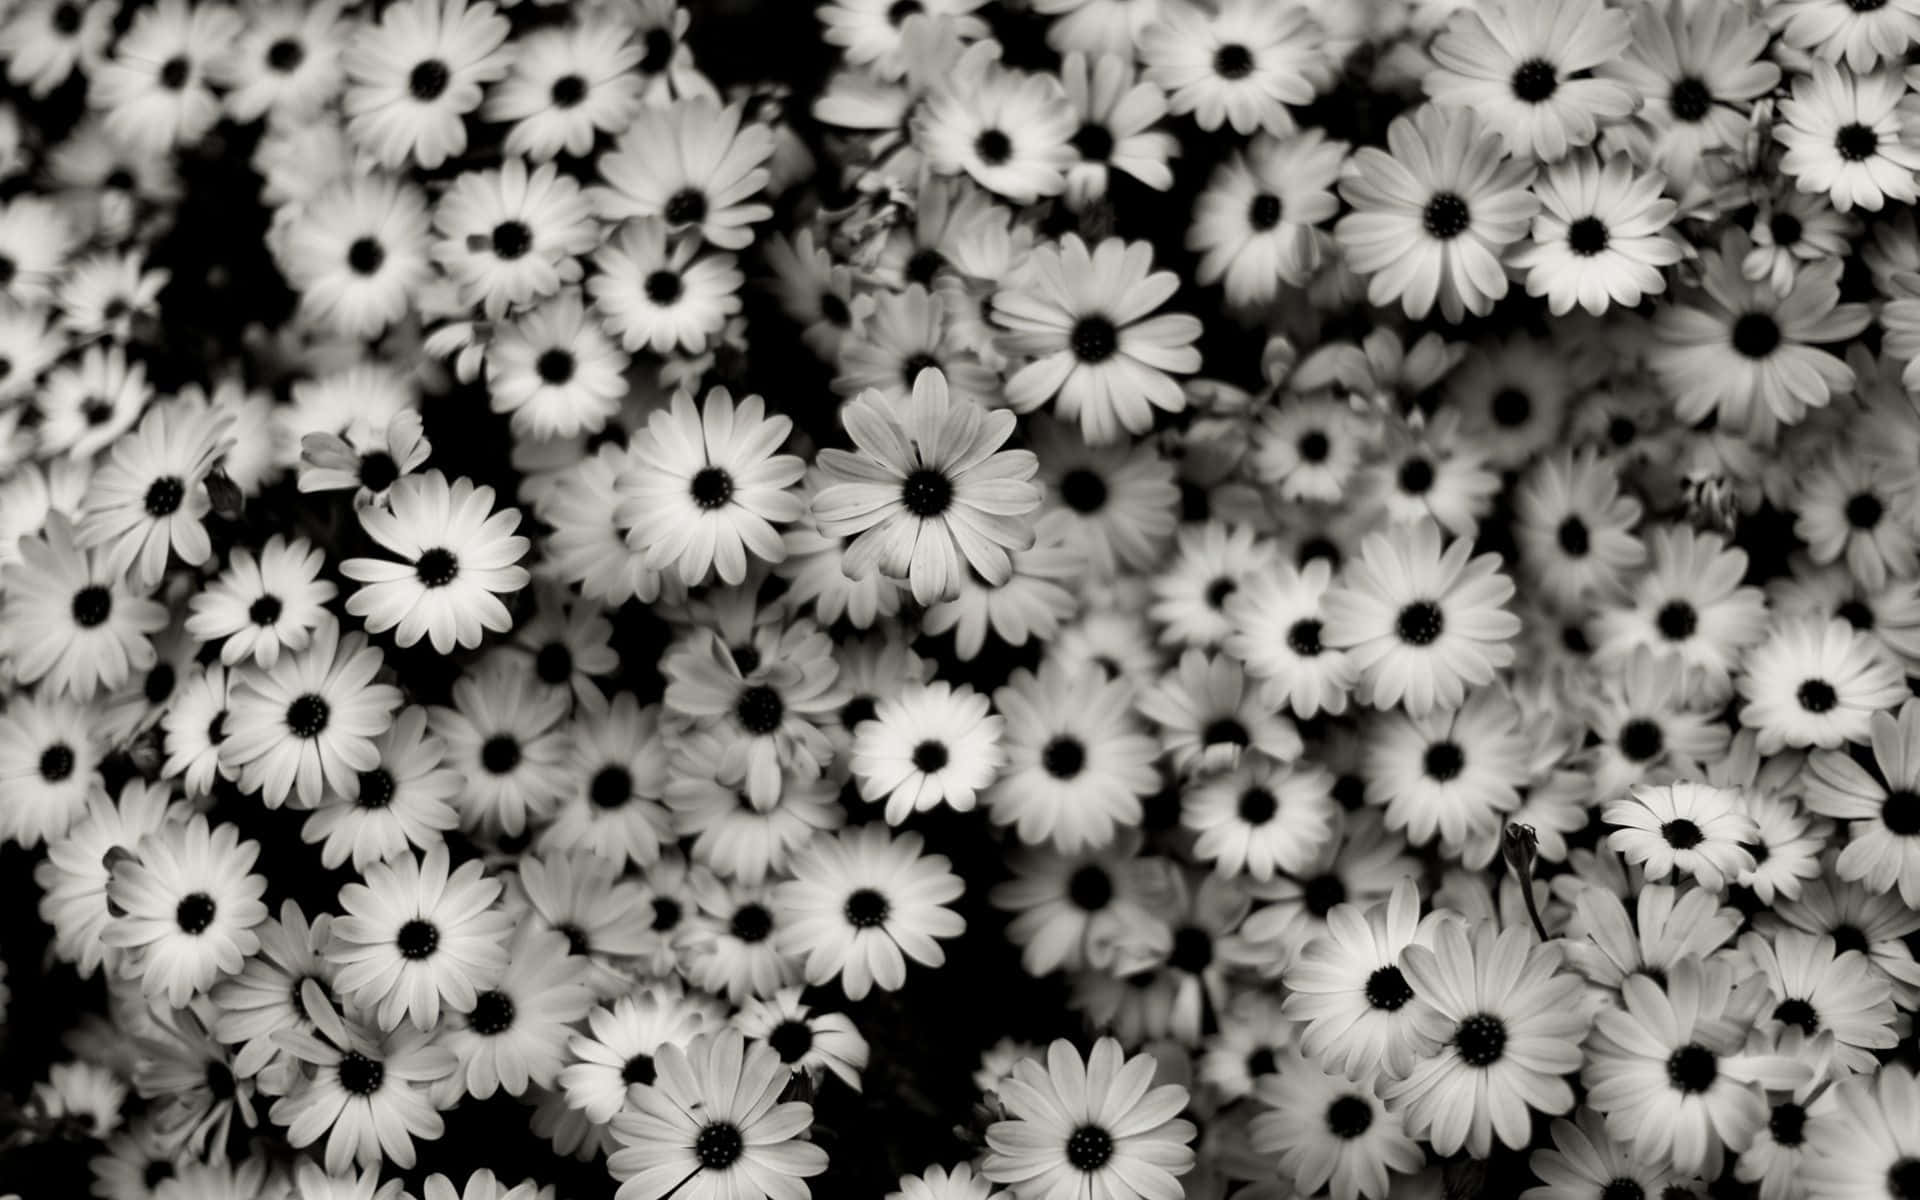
x=68 y=620
x=806 y=1040
x=1750 y=356
x=620 y=778
x=1256 y=227
x=703 y=487
x=1077 y=762
x=263 y=605
x=77 y=872
x=1517 y=1021
x=417 y=937
x=1880 y=801
x=1331 y=1132
x=569 y=86
x=661 y=292
x=510 y=741
x=154 y=88
x=85 y=405
x=516 y=1035
x=692 y=164
x=907 y=333
x=555 y=372
x=1671 y=1072
x=1818 y=989
x=929 y=488
x=1455 y=772
x=194 y=726
x=403 y=803
x=1434 y=213
x=1278 y=617
x=711 y=1125
x=731 y=946
x=510 y=237
x=1209 y=720
x=769 y=718
x=415 y=74
x=370 y=1097
x=1587 y=1161
x=1644 y=725
x=286 y=63
x=1526 y=70
x=1241 y=64
x=1872 y=1147
x=1691 y=603
x=615 y=1053
x=1575 y=529
x=1695 y=69
x=48 y=40
x=1009 y=131
x=1694 y=828
x=1600 y=238
x=864 y=901
x=265 y=995
x=308 y=721
x=1097 y=1123
x=925 y=747
x=1850 y=137
x=50 y=756
x=1082 y=319
x=1360 y=1014
x=1419 y=623
x=188 y=906
x=1078 y=910
x=379 y=455
x=357 y=252
x=1861 y=35
x=1118 y=119
x=1849 y=505
x=1262 y=816
x=1817 y=683
x=458 y=558
x=1118 y=502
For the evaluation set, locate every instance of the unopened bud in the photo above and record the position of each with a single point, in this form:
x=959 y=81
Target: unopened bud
x=225 y=495
x=1519 y=845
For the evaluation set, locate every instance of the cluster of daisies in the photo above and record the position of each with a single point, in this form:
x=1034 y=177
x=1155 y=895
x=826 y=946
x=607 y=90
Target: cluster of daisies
x=1399 y=521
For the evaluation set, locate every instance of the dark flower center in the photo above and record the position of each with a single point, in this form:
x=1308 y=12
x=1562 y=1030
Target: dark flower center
x=927 y=493
x=365 y=256
x=1257 y=806
x=1864 y=511
x=500 y=753
x=921 y=268
x=492 y=1014
x=858 y=709
x=1575 y=541
x=1785 y=228
x=164 y=496
x=97 y=411
x=1690 y=99
x=1192 y=950
x=1901 y=813
x=1083 y=490
x=1264 y=213
x=1089 y=1147
x=659 y=51
x=1641 y=740
x=666 y=913
x=265 y=609
x=929 y=757
x=1535 y=80
x=554 y=366
x=1225 y=731
x=1756 y=334
x=511 y=240
x=1481 y=1039
x=834 y=310
x=760 y=710
x=1262 y=1062
x=1348 y=1117
x=1090 y=888
x=307 y=716
x=1692 y=1068
x=1314 y=446
x=1322 y=893
x=1416 y=476
x=376 y=788
x=361 y=1075
x=867 y=909
x=1094 y=339
x=1856 y=613
x=612 y=787
x=1387 y=989
x=1682 y=834
x=1623 y=1189
x=428 y=79
x=1303 y=638
x=1219 y=590
x=417 y=939
x=751 y=923
x=688 y=206
x=1233 y=61
x=378 y=471
x=194 y=913
x=1063 y=757
x=56 y=762
x=553 y=664
x=1856 y=142
x=1817 y=696
x=1850 y=937
x=92 y=605
x=639 y=1069
x=711 y=488
x=993 y=147
x=1094 y=142
x=1420 y=623
x=1446 y=216
x=1587 y=236
x=567 y=91
x=436 y=567
x=1677 y=620
x=1512 y=408
x=663 y=287
x=718 y=1146
x=66 y=19
x=1795 y=1011
x=174 y=73
x=1787 y=1124
x=791 y=1040
x=1444 y=761
x=1903 y=1179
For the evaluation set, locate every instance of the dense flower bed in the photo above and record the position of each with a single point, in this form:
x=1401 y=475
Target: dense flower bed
x=1097 y=599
